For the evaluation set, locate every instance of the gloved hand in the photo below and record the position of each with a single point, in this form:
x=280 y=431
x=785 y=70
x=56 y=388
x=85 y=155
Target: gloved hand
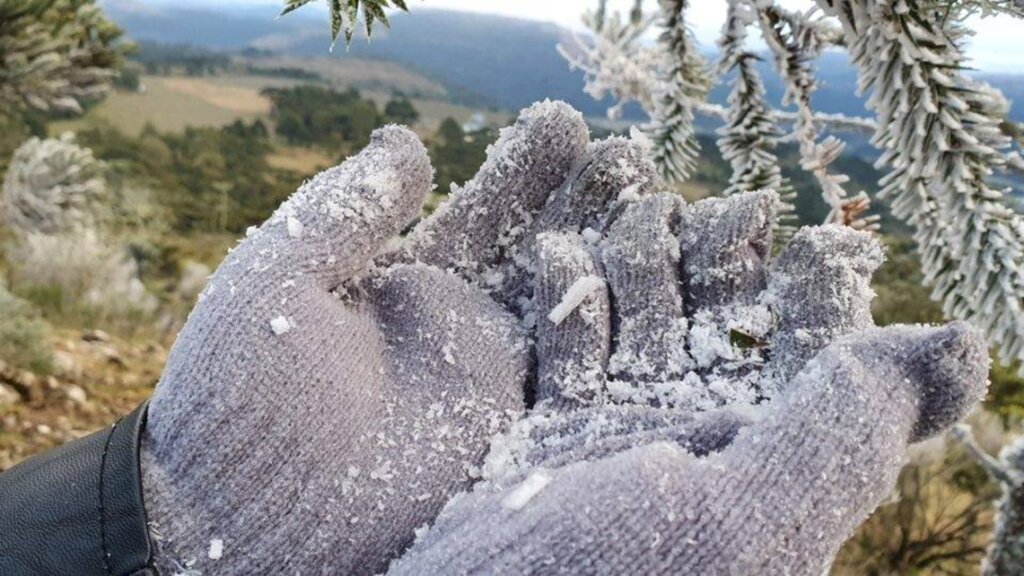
x=701 y=412
x=317 y=409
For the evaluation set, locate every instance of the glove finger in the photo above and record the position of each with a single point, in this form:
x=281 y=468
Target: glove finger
x=472 y=232
x=726 y=243
x=331 y=228
x=839 y=433
x=606 y=171
x=641 y=258
x=574 y=330
x=820 y=289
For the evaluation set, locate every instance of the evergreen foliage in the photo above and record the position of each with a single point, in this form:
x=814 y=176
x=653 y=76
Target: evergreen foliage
x=345 y=14
x=52 y=186
x=940 y=131
x=312 y=115
x=456 y=155
x=750 y=134
x=207 y=179
x=56 y=54
x=684 y=81
x=399 y=110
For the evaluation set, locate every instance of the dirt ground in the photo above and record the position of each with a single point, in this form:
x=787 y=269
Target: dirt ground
x=96 y=380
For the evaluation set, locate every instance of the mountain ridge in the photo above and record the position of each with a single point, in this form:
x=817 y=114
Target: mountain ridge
x=483 y=60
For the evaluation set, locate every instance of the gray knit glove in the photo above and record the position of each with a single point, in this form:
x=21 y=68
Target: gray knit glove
x=702 y=412
x=317 y=409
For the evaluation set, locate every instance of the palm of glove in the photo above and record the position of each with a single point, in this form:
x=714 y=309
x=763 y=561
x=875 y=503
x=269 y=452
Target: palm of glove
x=702 y=411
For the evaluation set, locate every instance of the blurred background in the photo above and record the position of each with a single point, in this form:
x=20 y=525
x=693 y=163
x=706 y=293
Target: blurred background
x=220 y=110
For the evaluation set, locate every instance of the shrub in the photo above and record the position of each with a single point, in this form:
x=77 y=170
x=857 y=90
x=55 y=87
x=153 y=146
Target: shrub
x=23 y=334
x=80 y=279
x=52 y=186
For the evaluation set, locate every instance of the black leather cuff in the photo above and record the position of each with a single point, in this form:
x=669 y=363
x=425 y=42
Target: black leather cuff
x=78 y=509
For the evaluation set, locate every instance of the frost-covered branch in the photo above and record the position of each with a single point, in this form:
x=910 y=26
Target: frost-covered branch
x=796 y=40
x=615 y=63
x=994 y=468
x=940 y=133
x=822 y=120
x=1006 y=554
x=986 y=8
x=750 y=132
x=345 y=14
x=613 y=60
x=684 y=81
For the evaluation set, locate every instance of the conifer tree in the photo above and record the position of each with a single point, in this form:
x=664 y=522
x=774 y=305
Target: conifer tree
x=56 y=54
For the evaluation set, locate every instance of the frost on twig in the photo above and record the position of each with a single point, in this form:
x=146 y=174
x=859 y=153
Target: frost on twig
x=613 y=60
x=986 y=8
x=1006 y=554
x=796 y=40
x=834 y=122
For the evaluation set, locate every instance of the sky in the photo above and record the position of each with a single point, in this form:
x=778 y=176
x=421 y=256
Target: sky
x=1000 y=48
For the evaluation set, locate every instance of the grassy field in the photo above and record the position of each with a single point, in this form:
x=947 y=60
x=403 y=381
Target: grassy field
x=173 y=103
x=376 y=75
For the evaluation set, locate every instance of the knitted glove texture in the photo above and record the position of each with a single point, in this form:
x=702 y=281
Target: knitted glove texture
x=318 y=408
x=703 y=410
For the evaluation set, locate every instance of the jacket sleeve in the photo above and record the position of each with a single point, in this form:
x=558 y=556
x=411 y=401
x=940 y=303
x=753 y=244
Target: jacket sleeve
x=78 y=509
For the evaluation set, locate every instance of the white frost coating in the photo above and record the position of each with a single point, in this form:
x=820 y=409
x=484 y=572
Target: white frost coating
x=280 y=325
x=590 y=235
x=534 y=484
x=384 y=183
x=580 y=290
x=216 y=551
x=295 y=227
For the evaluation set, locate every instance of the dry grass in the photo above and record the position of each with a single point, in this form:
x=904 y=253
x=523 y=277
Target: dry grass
x=239 y=99
x=172 y=104
x=306 y=161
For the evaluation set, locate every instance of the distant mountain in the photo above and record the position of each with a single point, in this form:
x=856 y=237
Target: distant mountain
x=482 y=60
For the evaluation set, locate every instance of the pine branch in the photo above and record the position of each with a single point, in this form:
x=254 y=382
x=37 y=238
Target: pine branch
x=344 y=15
x=940 y=133
x=751 y=131
x=613 y=60
x=684 y=81
x=985 y=8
